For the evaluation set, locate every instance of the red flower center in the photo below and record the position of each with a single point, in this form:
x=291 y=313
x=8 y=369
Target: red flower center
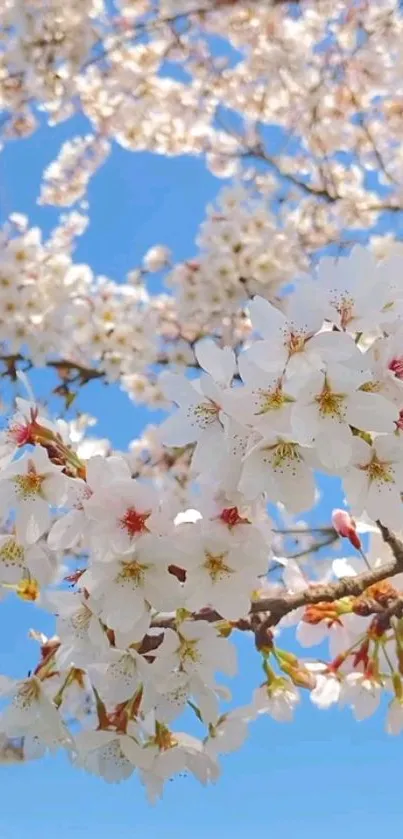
x=134 y=522
x=396 y=366
x=231 y=517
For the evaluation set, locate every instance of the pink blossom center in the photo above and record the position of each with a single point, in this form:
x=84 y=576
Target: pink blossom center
x=134 y=522
x=19 y=434
x=230 y=516
x=396 y=367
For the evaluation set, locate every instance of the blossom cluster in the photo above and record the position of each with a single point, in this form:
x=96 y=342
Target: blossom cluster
x=55 y=311
x=162 y=582
x=328 y=75
x=149 y=76
x=283 y=364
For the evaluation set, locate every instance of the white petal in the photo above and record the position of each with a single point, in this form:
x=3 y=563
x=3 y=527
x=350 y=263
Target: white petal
x=257 y=476
x=54 y=489
x=371 y=412
x=265 y=318
x=384 y=503
x=176 y=430
x=178 y=389
x=219 y=363
x=335 y=445
x=32 y=520
x=66 y=531
x=296 y=485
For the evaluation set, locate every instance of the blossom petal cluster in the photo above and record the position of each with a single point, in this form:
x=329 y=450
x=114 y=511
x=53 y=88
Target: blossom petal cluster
x=164 y=582
x=276 y=351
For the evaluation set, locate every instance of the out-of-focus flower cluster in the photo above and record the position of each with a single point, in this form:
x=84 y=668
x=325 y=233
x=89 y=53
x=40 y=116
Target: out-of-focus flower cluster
x=54 y=311
x=150 y=76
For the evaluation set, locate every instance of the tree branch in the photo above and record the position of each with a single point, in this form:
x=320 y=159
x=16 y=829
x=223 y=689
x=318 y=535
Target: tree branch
x=278 y=607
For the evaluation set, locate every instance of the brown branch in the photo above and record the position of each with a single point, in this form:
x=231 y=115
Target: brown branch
x=72 y=371
x=280 y=606
x=317 y=546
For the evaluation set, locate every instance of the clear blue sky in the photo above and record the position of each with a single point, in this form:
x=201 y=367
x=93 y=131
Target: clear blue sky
x=320 y=776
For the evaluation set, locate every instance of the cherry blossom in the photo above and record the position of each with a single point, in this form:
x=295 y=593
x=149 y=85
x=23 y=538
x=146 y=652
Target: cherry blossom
x=329 y=403
x=362 y=693
x=277 y=700
x=282 y=469
x=32 y=483
x=374 y=480
x=195 y=648
x=279 y=340
x=31 y=711
x=123 y=589
x=222 y=566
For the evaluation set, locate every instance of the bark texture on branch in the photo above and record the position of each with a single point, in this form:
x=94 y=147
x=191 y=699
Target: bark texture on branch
x=280 y=606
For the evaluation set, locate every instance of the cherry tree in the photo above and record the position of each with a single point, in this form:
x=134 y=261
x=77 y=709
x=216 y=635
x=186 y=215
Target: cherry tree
x=276 y=352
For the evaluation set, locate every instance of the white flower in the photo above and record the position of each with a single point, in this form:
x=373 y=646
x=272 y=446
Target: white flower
x=280 y=468
x=362 y=694
x=264 y=402
x=18 y=561
x=199 y=418
x=196 y=648
x=326 y=691
x=229 y=734
x=75 y=690
x=32 y=484
x=111 y=755
x=78 y=628
x=68 y=529
x=386 y=359
x=173 y=753
x=278 y=700
x=222 y=565
x=328 y=403
x=352 y=290
x=124 y=589
x=121 y=514
x=340 y=634
x=287 y=335
x=374 y=480
x=167 y=695
x=394 y=719
x=118 y=675
x=31 y=713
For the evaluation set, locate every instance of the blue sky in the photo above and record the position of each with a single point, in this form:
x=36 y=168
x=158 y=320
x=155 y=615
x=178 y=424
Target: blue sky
x=323 y=774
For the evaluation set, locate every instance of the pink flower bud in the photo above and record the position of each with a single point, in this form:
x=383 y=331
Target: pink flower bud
x=344 y=525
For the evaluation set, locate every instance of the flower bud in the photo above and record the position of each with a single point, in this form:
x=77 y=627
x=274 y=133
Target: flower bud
x=344 y=525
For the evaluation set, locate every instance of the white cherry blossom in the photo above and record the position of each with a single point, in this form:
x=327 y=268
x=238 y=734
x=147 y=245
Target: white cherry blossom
x=374 y=480
x=329 y=403
x=282 y=469
x=31 y=712
x=291 y=339
x=196 y=649
x=361 y=693
x=222 y=566
x=277 y=700
x=199 y=418
x=32 y=483
x=68 y=530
